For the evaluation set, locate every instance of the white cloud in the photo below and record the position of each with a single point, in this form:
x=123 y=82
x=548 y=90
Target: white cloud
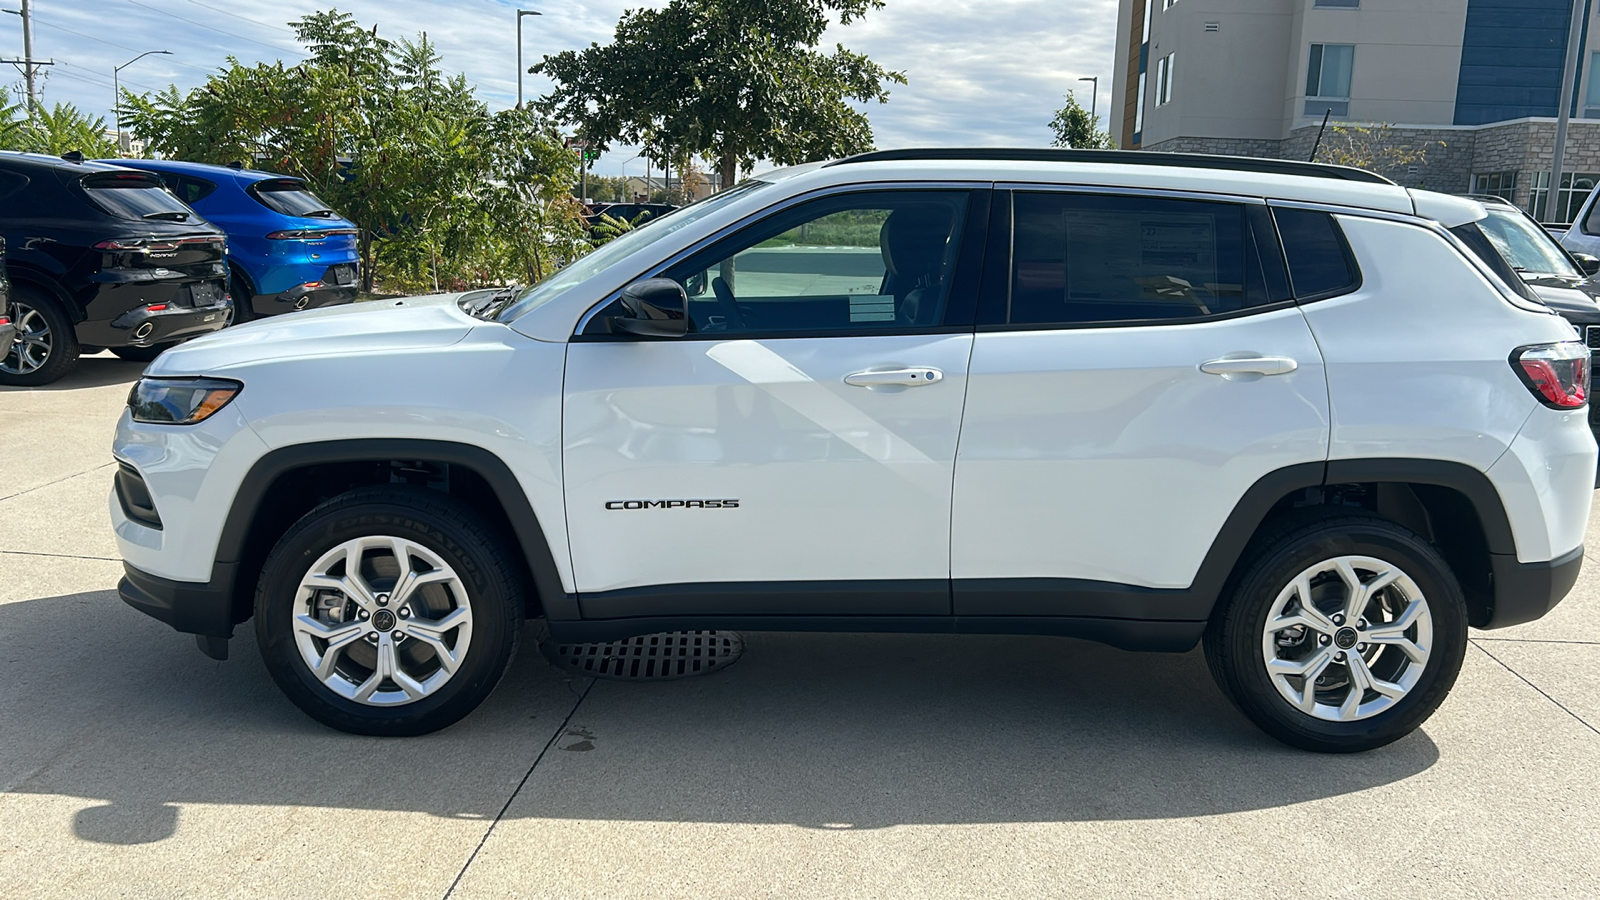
x=981 y=73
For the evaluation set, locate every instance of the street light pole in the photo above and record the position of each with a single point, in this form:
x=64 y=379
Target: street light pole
x=1569 y=67
x=1094 y=97
x=116 y=89
x=520 y=14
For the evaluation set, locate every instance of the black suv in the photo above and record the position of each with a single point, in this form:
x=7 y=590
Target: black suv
x=101 y=257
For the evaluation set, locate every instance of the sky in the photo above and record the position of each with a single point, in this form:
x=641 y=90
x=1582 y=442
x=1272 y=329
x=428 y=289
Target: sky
x=989 y=73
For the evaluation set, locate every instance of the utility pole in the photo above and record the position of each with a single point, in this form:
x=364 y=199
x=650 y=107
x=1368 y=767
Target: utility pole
x=1094 y=97
x=520 y=14
x=27 y=62
x=1569 y=70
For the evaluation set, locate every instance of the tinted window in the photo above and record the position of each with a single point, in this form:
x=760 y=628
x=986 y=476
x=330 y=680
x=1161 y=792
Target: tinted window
x=1080 y=258
x=1319 y=263
x=290 y=197
x=878 y=260
x=134 y=196
x=189 y=189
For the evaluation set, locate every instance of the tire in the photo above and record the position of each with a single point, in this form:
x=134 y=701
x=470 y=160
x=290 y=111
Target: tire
x=143 y=354
x=49 y=348
x=296 y=625
x=242 y=310
x=1336 y=650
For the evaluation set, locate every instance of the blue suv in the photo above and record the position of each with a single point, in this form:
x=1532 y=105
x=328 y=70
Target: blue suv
x=286 y=249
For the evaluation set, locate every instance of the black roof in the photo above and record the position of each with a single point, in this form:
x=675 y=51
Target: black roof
x=1123 y=158
x=34 y=162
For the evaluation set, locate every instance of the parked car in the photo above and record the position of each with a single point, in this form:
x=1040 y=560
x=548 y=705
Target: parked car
x=287 y=250
x=101 y=256
x=1526 y=256
x=1274 y=407
x=1583 y=235
x=8 y=329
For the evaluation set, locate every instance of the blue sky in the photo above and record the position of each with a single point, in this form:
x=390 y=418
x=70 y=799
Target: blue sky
x=981 y=73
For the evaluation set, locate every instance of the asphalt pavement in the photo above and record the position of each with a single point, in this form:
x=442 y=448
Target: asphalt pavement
x=815 y=766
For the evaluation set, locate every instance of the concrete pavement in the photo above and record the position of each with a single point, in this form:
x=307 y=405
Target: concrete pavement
x=849 y=765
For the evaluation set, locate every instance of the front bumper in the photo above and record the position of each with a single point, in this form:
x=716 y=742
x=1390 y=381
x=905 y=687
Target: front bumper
x=193 y=608
x=1526 y=591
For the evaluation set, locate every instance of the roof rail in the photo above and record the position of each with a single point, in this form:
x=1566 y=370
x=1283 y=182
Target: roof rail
x=1124 y=158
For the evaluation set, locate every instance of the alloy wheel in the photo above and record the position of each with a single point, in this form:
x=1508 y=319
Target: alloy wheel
x=1347 y=638
x=382 y=621
x=31 y=347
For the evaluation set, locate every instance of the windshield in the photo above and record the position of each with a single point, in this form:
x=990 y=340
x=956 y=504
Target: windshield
x=585 y=267
x=290 y=197
x=1526 y=246
x=132 y=195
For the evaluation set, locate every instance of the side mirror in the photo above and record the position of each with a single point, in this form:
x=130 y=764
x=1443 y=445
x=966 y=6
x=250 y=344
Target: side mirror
x=1589 y=264
x=655 y=307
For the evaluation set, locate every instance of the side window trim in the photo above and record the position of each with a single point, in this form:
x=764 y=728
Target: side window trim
x=960 y=310
x=995 y=299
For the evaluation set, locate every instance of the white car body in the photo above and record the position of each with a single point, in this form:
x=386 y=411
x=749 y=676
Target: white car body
x=1077 y=480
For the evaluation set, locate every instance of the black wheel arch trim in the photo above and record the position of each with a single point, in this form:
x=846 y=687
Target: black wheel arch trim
x=513 y=498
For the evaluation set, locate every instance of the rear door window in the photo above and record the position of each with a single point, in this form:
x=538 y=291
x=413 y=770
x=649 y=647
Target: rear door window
x=134 y=195
x=1082 y=259
x=1320 y=263
x=190 y=190
x=290 y=197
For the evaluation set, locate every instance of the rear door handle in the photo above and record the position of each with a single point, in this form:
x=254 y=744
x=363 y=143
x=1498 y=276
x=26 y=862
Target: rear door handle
x=1250 y=365
x=907 y=377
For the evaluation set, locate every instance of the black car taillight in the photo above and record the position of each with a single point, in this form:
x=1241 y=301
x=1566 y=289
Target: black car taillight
x=1557 y=374
x=135 y=498
x=155 y=245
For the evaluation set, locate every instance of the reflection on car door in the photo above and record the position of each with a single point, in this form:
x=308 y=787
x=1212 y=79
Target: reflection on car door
x=792 y=455
x=1141 y=369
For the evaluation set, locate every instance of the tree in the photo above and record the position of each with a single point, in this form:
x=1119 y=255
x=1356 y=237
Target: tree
x=444 y=191
x=1377 y=148
x=730 y=80
x=1074 y=127
x=61 y=129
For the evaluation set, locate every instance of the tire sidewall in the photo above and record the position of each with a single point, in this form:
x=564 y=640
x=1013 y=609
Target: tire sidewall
x=1244 y=670
x=493 y=638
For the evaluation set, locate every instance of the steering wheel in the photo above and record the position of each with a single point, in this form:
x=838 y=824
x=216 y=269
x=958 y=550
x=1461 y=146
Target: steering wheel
x=729 y=307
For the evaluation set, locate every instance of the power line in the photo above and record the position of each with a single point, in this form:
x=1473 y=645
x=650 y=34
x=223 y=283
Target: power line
x=214 y=28
x=241 y=18
x=117 y=45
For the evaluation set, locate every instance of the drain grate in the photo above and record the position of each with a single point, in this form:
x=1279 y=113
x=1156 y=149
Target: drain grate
x=675 y=654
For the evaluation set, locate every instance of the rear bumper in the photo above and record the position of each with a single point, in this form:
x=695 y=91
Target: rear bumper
x=301 y=297
x=193 y=608
x=174 y=323
x=1526 y=591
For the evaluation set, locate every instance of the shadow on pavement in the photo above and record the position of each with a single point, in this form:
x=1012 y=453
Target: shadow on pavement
x=92 y=372
x=826 y=731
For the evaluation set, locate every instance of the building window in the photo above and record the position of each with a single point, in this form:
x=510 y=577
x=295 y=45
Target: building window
x=1164 y=68
x=1591 y=96
x=1169 y=4
x=1149 y=13
x=1337 y=4
x=1138 y=111
x=1495 y=184
x=1328 y=79
x=1575 y=188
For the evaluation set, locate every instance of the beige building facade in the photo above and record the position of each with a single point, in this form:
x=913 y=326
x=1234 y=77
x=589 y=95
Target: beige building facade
x=1474 y=84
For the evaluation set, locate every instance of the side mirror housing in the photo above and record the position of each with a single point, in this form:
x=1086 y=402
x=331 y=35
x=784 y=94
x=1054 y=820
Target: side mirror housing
x=654 y=307
x=1590 y=265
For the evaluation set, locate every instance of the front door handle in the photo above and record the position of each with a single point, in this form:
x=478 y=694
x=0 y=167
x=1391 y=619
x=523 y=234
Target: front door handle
x=906 y=377
x=1250 y=365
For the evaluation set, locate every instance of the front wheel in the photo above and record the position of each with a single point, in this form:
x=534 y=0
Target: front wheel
x=1343 y=634
x=388 y=611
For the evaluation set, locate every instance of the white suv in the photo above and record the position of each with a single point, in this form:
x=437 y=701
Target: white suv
x=1129 y=397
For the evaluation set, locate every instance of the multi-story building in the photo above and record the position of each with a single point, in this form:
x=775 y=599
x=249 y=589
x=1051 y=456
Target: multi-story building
x=1475 y=84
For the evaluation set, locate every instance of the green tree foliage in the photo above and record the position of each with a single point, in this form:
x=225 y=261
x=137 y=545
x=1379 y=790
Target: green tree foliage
x=1377 y=148
x=61 y=129
x=730 y=80
x=1075 y=128
x=446 y=193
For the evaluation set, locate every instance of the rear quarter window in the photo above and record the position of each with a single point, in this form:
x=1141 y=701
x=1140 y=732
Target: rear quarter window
x=1320 y=262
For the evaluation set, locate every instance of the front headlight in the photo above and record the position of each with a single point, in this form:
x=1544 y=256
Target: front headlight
x=179 y=401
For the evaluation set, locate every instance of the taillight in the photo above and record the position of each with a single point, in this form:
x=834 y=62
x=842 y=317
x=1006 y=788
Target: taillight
x=1557 y=374
x=155 y=245
x=4 y=321
x=308 y=234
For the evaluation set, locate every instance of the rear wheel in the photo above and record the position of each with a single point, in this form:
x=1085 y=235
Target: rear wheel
x=45 y=348
x=242 y=310
x=1343 y=634
x=389 y=611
